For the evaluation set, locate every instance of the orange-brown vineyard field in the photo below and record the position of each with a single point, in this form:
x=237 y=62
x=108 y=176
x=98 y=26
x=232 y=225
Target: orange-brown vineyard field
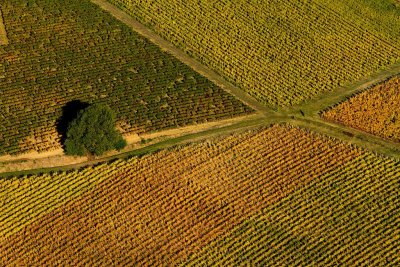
x=376 y=111
x=162 y=208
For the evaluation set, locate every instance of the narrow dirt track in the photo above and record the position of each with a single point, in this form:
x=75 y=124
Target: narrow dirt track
x=57 y=158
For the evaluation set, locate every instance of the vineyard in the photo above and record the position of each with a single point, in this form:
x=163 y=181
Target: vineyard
x=63 y=51
x=161 y=208
x=347 y=217
x=280 y=52
x=376 y=110
x=272 y=189
x=380 y=17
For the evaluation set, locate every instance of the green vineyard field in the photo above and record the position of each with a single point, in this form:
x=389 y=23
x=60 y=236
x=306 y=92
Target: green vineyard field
x=268 y=194
x=281 y=52
x=382 y=18
x=61 y=51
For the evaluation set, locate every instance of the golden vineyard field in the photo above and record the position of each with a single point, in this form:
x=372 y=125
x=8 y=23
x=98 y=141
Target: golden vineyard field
x=348 y=217
x=255 y=188
x=281 y=52
x=376 y=111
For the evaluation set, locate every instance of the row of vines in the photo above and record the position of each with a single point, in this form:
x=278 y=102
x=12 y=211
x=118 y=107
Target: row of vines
x=61 y=51
x=281 y=52
x=161 y=208
x=376 y=110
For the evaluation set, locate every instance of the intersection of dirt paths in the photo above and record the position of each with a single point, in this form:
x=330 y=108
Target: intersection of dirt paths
x=56 y=158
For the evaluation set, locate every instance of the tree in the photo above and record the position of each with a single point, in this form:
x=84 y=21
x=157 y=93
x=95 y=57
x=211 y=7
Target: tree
x=94 y=132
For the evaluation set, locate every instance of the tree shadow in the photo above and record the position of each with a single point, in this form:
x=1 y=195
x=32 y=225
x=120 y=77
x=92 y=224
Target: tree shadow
x=69 y=113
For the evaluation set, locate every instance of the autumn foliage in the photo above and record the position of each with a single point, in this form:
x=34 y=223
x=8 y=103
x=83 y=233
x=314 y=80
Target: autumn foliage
x=349 y=217
x=159 y=209
x=376 y=111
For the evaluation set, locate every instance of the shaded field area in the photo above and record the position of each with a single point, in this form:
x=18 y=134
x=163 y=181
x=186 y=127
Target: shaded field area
x=66 y=51
x=269 y=47
x=347 y=217
x=161 y=208
x=376 y=110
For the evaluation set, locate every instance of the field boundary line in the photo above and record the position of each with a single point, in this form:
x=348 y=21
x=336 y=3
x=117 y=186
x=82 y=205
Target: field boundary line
x=3 y=32
x=134 y=138
x=364 y=140
x=306 y=114
x=249 y=123
x=167 y=46
x=329 y=99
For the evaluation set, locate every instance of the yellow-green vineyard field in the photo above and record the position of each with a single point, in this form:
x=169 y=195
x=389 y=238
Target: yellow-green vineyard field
x=166 y=208
x=281 y=52
x=380 y=17
x=62 y=51
x=376 y=111
x=348 y=217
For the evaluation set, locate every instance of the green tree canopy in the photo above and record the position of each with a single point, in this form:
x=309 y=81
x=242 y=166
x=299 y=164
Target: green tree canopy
x=94 y=132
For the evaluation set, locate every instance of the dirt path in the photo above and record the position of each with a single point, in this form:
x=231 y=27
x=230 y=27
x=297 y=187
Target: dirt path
x=176 y=132
x=64 y=163
x=3 y=33
x=314 y=106
x=57 y=158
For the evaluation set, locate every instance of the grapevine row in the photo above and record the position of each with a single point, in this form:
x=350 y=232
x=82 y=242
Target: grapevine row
x=347 y=217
